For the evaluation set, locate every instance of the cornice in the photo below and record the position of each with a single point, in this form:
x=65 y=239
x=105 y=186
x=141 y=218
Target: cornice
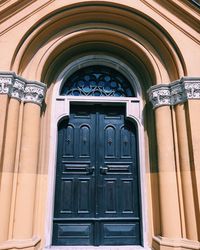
x=22 y=89
x=180 y=91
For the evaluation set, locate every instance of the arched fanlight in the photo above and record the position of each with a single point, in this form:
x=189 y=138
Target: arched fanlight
x=97 y=81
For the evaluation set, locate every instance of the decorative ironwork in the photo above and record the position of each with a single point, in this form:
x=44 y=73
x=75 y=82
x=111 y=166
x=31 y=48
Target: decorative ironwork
x=97 y=81
x=109 y=141
x=68 y=140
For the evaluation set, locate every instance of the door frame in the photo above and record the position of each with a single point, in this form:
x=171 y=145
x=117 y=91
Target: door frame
x=61 y=109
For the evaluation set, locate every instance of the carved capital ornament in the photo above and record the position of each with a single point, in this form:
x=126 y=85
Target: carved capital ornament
x=174 y=93
x=6 y=81
x=21 y=89
x=160 y=96
x=34 y=92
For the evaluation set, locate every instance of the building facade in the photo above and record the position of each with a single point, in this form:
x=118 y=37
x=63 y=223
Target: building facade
x=100 y=135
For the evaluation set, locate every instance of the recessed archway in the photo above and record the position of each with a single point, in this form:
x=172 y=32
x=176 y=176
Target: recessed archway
x=99 y=26
x=107 y=30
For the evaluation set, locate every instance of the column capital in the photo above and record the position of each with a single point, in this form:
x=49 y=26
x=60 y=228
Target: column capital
x=6 y=82
x=176 y=92
x=35 y=92
x=17 y=88
x=160 y=96
x=192 y=88
x=22 y=89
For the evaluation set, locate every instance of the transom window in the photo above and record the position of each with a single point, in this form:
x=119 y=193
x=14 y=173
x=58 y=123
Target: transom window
x=97 y=81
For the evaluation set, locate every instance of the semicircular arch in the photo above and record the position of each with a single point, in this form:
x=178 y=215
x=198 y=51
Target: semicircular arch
x=106 y=28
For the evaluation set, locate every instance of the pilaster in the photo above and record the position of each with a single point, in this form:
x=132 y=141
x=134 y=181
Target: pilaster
x=8 y=166
x=186 y=173
x=27 y=172
x=6 y=80
x=184 y=97
x=16 y=91
x=169 y=201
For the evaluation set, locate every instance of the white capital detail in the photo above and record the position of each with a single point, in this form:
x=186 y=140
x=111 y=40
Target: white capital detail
x=175 y=92
x=5 y=83
x=34 y=92
x=160 y=96
x=17 y=90
x=21 y=89
x=192 y=89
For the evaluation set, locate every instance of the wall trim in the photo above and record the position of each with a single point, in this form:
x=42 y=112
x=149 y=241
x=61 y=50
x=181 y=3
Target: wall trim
x=187 y=88
x=22 y=89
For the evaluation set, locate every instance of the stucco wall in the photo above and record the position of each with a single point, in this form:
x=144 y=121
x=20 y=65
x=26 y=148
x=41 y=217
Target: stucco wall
x=160 y=43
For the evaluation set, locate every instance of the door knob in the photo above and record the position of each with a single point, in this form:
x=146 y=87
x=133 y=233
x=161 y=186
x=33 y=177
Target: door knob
x=90 y=170
x=103 y=170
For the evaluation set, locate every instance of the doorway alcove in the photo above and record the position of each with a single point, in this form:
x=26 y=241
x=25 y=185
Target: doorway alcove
x=97 y=194
x=111 y=35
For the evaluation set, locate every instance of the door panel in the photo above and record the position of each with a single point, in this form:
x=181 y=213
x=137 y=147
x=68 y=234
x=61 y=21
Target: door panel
x=68 y=233
x=84 y=141
x=68 y=144
x=110 y=142
x=116 y=233
x=97 y=194
x=125 y=143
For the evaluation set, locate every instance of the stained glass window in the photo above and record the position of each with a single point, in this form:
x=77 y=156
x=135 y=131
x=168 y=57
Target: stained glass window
x=97 y=81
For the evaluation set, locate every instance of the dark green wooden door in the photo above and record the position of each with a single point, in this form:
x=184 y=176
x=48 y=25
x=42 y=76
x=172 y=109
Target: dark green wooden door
x=97 y=192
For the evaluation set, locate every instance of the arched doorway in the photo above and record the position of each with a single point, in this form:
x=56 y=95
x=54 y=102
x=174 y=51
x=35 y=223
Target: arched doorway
x=97 y=190
x=148 y=47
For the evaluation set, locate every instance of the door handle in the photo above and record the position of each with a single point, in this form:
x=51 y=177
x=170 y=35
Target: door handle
x=103 y=170
x=90 y=170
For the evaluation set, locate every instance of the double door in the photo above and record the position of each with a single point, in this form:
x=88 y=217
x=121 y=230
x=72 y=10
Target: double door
x=97 y=192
